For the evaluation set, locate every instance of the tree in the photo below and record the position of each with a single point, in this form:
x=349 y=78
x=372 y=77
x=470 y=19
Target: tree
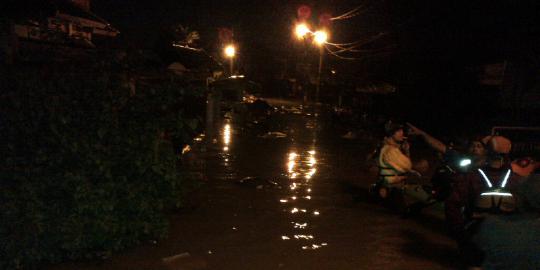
x=185 y=36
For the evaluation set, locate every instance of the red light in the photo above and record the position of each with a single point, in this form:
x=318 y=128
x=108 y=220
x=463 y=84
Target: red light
x=304 y=12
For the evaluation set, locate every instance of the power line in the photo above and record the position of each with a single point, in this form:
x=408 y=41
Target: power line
x=349 y=14
x=367 y=53
x=343 y=44
x=353 y=45
x=339 y=56
x=379 y=35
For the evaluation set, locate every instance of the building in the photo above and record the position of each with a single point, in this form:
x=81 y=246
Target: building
x=35 y=23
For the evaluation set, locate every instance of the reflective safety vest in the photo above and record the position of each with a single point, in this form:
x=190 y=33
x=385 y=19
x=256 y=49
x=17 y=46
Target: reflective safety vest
x=393 y=165
x=496 y=199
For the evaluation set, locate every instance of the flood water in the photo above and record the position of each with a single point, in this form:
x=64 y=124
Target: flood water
x=289 y=200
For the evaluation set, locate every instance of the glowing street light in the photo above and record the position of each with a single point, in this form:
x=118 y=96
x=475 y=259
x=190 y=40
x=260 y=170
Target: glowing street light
x=320 y=37
x=230 y=52
x=302 y=30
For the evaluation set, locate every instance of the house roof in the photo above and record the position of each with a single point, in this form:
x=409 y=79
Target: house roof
x=68 y=7
x=41 y=9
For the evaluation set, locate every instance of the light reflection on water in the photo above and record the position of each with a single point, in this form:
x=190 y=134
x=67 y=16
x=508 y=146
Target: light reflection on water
x=227 y=156
x=299 y=199
x=292 y=162
x=301 y=168
x=226 y=137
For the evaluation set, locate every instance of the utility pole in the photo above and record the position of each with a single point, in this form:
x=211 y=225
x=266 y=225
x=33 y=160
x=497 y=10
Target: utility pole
x=319 y=75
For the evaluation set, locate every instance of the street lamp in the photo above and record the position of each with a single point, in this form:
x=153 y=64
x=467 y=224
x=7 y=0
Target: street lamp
x=230 y=52
x=302 y=30
x=320 y=38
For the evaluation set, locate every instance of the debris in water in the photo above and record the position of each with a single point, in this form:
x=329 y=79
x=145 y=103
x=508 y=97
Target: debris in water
x=186 y=149
x=314 y=246
x=258 y=183
x=273 y=134
x=349 y=135
x=176 y=257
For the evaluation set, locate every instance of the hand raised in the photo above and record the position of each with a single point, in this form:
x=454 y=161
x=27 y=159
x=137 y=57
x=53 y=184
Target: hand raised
x=414 y=130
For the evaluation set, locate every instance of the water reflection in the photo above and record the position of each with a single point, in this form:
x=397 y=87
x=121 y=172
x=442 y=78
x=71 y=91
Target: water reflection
x=298 y=201
x=303 y=236
x=226 y=137
x=311 y=173
x=292 y=162
x=227 y=156
x=199 y=138
x=312 y=161
x=186 y=149
x=314 y=246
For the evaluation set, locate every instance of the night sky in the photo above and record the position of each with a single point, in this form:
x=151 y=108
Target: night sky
x=419 y=32
x=444 y=24
x=422 y=33
x=428 y=46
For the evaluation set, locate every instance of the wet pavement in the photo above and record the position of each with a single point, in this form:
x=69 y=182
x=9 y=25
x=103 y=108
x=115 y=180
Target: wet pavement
x=290 y=200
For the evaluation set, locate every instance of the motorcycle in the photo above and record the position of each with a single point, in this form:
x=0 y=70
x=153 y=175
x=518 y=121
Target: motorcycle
x=443 y=178
x=410 y=196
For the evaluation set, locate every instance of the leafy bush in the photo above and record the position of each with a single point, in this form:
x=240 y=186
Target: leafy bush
x=88 y=164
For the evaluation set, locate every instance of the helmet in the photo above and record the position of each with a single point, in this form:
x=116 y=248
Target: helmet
x=497 y=144
x=391 y=127
x=524 y=166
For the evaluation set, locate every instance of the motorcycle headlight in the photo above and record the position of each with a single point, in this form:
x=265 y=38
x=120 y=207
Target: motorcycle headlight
x=465 y=162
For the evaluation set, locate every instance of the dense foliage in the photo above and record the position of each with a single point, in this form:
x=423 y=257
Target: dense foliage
x=88 y=161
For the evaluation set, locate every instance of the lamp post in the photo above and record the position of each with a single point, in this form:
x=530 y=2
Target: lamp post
x=319 y=37
x=230 y=52
x=302 y=32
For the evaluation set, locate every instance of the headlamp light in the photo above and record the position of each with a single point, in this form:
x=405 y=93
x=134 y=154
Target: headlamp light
x=465 y=162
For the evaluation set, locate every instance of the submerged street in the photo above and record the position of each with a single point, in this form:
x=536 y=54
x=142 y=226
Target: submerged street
x=296 y=199
x=217 y=135
x=194 y=135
